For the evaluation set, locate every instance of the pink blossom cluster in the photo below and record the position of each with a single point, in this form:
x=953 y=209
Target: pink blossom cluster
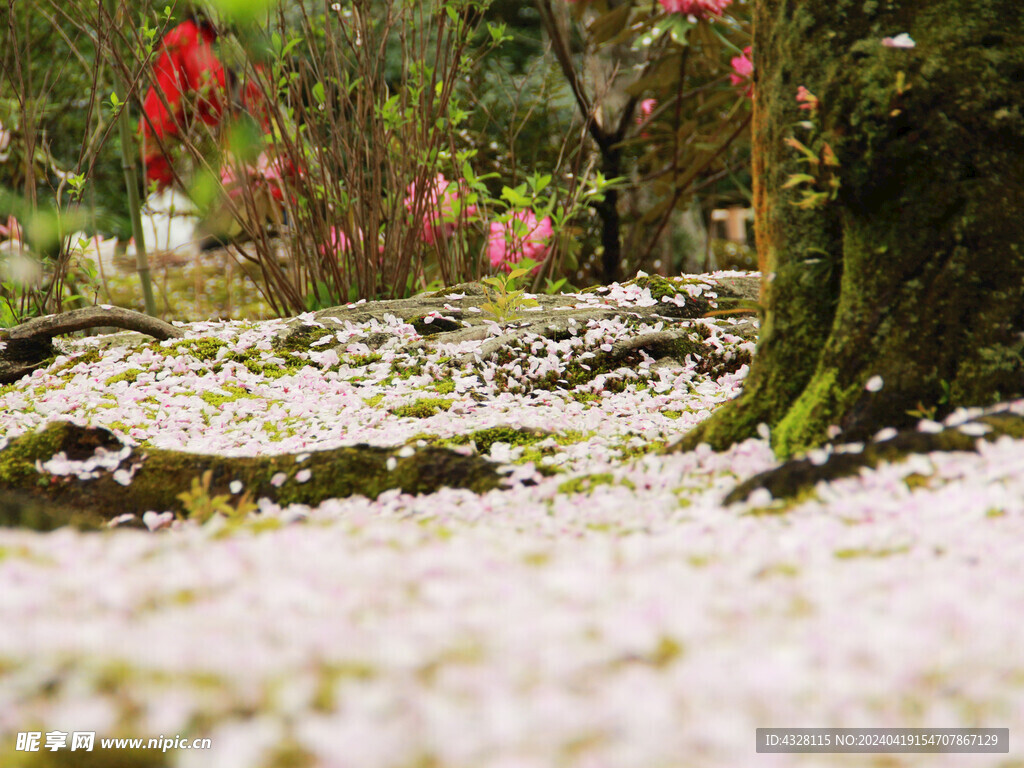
x=341 y=243
x=702 y=9
x=647 y=107
x=509 y=242
x=743 y=70
x=440 y=207
x=267 y=174
x=807 y=100
x=11 y=230
x=521 y=237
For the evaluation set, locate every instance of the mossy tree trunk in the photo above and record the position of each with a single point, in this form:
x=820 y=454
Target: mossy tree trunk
x=914 y=273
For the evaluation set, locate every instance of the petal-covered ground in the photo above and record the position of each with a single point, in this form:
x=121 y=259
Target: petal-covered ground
x=605 y=609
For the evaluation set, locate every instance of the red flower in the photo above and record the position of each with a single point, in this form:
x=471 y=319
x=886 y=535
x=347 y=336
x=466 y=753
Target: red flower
x=702 y=9
x=185 y=64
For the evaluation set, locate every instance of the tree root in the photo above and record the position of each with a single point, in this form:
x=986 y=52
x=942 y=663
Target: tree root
x=156 y=478
x=27 y=346
x=797 y=475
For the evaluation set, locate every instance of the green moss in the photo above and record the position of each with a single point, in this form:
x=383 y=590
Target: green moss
x=231 y=393
x=301 y=339
x=361 y=361
x=916 y=480
x=204 y=349
x=422 y=408
x=635 y=451
x=408 y=371
x=445 y=386
x=821 y=405
x=797 y=477
x=537 y=558
x=18 y=459
x=849 y=554
x=987 y=375
x=208 y=350
x=786 y=570
x=586 y=483
x=130 y=376
x=273 y=431
x=89 y=357
x=485 y=438
x=374 y=401
x=163 y=475
x=664 y=287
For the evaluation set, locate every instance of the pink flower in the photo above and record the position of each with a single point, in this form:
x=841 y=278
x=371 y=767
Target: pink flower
x=647 y=107
x=702 y=9
x=439 y=207
x=743 y=70
x=509 y=243
x=340 y=242
x=12 y=230
x=268 y=172
x=807 y=99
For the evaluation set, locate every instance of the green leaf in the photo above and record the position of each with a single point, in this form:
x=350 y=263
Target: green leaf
x=527 y=263
x=515 y=197
x=678 y=26
x=796 y=179
x=242 y=10
x=607 y=25
x=555 y=287
x=729 y=44
x=812 y=200
x=663 y=78
x=798 y=145
x=245 y=139
x=497 y=32
x=539 y=182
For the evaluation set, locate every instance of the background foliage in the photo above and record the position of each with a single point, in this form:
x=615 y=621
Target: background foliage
x=526 y=108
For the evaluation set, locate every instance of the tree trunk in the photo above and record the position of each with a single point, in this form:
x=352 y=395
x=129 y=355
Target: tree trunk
x=611 y=238
x=912 y=278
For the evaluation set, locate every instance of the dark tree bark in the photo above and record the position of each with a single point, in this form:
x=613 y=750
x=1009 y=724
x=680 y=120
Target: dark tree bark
x=914 y=273
x=611 y=237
